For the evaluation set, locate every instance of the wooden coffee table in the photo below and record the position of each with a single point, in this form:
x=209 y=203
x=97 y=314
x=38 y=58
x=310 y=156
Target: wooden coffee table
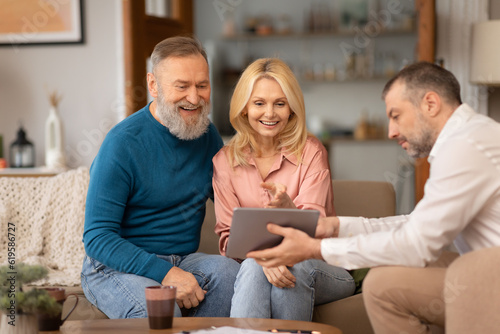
x=108 y=326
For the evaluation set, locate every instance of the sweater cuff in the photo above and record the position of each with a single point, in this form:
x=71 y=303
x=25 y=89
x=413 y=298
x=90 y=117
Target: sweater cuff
x=159 y=270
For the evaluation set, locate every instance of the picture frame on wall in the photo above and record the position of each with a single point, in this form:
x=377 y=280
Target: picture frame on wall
x=40 y=22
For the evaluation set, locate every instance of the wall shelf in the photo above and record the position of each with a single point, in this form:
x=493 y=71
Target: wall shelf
x=375 y=78
x=303 y=35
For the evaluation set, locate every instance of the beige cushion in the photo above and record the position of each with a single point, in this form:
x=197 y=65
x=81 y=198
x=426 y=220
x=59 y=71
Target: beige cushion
x=371 y=199
x=209 y=242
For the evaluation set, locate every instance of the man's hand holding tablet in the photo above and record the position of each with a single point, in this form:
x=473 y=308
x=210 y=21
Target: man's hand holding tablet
x=286 y=253
x=249 y=230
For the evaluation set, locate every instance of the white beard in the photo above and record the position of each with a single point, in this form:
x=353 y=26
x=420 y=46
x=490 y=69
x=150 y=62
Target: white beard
x=169 y=116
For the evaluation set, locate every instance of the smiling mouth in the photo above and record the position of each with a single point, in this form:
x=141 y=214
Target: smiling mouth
x=268 y=123
x=189 y=109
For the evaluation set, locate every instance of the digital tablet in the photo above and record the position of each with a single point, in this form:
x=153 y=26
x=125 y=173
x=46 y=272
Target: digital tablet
x=249 y=228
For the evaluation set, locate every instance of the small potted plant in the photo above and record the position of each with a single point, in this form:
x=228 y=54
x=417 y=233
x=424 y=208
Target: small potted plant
x=19 y=305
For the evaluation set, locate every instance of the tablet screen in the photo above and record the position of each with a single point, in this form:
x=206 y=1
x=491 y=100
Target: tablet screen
x=249 y=228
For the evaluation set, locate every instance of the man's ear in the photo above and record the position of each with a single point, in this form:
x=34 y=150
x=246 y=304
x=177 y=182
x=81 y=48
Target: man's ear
x=431 y=104
x=152 y=85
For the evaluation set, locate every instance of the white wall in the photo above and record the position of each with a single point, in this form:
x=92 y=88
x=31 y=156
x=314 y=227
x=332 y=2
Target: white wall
x=89 y=76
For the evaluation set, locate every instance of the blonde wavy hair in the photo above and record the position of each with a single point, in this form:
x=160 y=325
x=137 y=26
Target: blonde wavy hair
x=294 y=135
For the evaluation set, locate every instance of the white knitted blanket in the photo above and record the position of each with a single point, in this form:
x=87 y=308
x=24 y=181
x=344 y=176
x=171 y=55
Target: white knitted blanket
x=48 y=214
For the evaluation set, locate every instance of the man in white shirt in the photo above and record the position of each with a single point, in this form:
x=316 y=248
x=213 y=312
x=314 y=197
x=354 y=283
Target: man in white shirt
x=461 y=205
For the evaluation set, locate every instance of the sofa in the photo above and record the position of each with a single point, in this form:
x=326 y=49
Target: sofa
x=49 y=217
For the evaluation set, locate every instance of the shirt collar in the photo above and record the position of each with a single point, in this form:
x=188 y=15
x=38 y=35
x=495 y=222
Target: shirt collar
x=460 y=116
x=284 y=154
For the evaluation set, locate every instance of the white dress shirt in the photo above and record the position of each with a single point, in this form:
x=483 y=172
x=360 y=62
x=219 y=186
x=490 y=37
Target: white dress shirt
x=461 y=204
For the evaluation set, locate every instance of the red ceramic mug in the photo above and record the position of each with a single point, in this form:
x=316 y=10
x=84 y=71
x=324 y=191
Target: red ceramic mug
x=53 y=322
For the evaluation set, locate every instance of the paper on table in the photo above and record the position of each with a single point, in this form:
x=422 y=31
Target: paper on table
x=224 y=330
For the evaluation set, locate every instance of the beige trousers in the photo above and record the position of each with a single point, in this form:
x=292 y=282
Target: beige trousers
x=406 y=300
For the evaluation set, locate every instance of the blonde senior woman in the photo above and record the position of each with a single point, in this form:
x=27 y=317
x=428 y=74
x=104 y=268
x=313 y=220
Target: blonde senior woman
x=273 y=162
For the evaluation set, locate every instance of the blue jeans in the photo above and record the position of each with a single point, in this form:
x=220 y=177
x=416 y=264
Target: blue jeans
x=316 y=283
x=121 y=295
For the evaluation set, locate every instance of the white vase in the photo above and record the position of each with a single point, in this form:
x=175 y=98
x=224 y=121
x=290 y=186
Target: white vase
x=18 y=324
x=54 y=152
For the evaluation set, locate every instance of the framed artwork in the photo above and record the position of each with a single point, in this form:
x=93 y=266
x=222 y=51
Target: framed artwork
x=32 y=22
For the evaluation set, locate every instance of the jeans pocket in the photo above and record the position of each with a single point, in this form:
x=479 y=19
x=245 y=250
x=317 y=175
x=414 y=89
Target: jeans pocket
x=95 y=265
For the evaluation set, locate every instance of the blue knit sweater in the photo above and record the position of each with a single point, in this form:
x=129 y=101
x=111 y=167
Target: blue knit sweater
x=147 y=195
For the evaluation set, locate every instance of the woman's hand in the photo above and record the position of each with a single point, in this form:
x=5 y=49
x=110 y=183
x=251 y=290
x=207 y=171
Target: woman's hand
x=279 y=197
x=280 y=277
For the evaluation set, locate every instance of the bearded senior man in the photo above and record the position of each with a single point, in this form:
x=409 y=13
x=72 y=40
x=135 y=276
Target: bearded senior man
x=146 y=198
x=461 y=204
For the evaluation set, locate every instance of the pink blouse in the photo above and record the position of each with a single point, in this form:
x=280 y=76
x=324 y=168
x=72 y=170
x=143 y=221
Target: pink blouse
x=308 y=184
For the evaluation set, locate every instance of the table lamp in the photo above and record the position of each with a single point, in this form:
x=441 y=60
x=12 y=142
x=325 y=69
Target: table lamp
x=485 y=58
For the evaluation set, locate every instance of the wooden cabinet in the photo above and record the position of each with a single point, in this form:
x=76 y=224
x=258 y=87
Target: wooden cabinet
x=141 y=33
x=426 y=10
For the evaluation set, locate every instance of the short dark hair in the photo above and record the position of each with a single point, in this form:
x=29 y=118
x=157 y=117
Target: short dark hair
x=422 y=77
x=178 y=46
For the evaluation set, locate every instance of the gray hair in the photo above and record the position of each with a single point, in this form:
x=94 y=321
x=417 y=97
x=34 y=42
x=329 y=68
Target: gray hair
x=178 y=46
